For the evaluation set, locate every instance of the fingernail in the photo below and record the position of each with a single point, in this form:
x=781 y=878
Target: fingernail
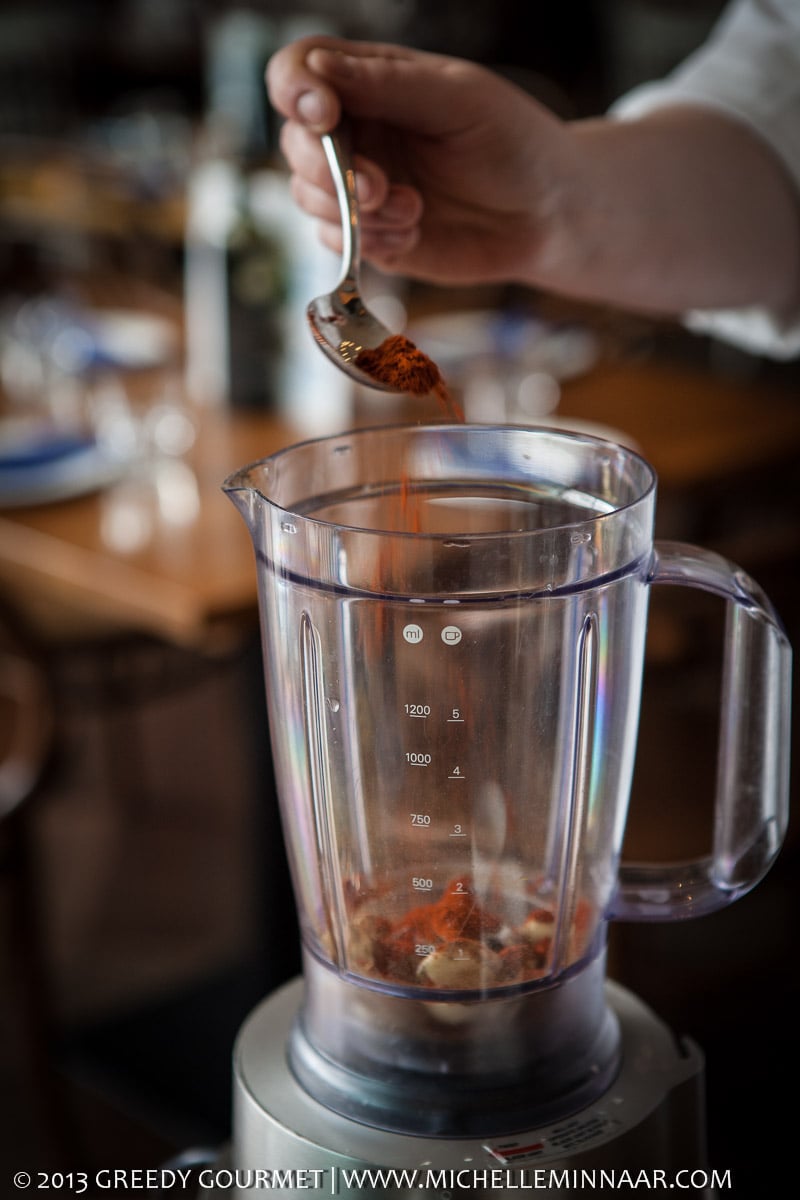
x=365 y=188
x=311 y=108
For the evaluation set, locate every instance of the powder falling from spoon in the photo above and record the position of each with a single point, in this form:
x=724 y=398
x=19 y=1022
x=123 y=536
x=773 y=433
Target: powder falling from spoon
x=399 y=364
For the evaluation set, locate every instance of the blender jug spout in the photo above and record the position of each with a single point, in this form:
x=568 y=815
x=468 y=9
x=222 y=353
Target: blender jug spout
x=241 y=490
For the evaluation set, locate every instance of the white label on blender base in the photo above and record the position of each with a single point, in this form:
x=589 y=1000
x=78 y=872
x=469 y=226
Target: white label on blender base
x=560 y=1139
x=515 y=1151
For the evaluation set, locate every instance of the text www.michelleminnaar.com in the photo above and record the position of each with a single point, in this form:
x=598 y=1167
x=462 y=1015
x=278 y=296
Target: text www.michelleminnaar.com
x=538 y=1179
x=336 y=1180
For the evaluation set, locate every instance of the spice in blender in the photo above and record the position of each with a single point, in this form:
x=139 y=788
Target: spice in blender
x=455 y=942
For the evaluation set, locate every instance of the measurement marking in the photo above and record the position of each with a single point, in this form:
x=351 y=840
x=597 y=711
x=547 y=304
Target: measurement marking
x=456 y=777
x=456 y=835
x=455 y=720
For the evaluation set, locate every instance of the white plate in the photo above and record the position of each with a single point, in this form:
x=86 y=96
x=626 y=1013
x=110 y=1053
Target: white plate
x=131 y=340
x=45 y=467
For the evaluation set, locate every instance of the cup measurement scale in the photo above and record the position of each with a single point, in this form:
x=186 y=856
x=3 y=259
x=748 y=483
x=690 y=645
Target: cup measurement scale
x=450 y=636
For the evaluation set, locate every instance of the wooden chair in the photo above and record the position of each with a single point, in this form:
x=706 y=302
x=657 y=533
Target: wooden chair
x=27 y=738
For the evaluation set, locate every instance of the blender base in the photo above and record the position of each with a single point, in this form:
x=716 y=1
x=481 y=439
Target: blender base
x=651 y=1119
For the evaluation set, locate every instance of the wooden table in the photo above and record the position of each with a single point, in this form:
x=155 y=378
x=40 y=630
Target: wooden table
x=194 y=572
x=694 y=427
x=185 y=581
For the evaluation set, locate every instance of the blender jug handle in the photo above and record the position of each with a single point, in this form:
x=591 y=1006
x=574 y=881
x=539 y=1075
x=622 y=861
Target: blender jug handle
x=752 y=790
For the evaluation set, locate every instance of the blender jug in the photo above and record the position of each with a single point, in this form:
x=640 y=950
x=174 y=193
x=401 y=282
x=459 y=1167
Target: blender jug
x=453 y=623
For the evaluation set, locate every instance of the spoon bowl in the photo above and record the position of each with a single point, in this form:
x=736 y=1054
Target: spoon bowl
x=340 y=321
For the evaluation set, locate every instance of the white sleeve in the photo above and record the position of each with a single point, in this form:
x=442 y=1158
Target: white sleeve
x=749 y=67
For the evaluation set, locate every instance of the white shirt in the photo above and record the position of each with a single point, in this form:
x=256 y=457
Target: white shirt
x=749 y=67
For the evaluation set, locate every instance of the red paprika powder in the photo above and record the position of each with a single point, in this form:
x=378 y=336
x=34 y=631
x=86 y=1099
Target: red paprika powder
x=399 y=364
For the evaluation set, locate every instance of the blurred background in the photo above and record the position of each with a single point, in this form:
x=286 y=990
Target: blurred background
x=153 y=279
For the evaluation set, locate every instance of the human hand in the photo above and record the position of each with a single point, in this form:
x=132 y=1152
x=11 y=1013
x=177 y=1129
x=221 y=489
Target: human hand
x=465 y=178
x=457 y=169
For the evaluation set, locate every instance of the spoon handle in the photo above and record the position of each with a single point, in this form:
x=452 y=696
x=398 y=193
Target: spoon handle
x=337 y=146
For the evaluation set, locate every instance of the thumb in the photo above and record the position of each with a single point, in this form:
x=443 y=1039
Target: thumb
x=296 y=91
x=312 y=79
x=410 y=89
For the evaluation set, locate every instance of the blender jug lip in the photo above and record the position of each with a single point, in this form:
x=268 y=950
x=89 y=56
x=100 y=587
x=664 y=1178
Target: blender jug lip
x=467 y=512
x=243 y=477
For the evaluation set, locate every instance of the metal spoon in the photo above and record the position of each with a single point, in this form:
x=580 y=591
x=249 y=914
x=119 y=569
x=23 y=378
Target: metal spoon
x=341 y=323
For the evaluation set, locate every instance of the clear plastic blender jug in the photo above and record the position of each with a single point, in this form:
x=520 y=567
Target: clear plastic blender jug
x=453 y=623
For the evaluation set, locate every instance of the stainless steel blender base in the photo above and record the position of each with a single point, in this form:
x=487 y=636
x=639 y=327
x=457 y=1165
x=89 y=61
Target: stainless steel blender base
x=652 y=1117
